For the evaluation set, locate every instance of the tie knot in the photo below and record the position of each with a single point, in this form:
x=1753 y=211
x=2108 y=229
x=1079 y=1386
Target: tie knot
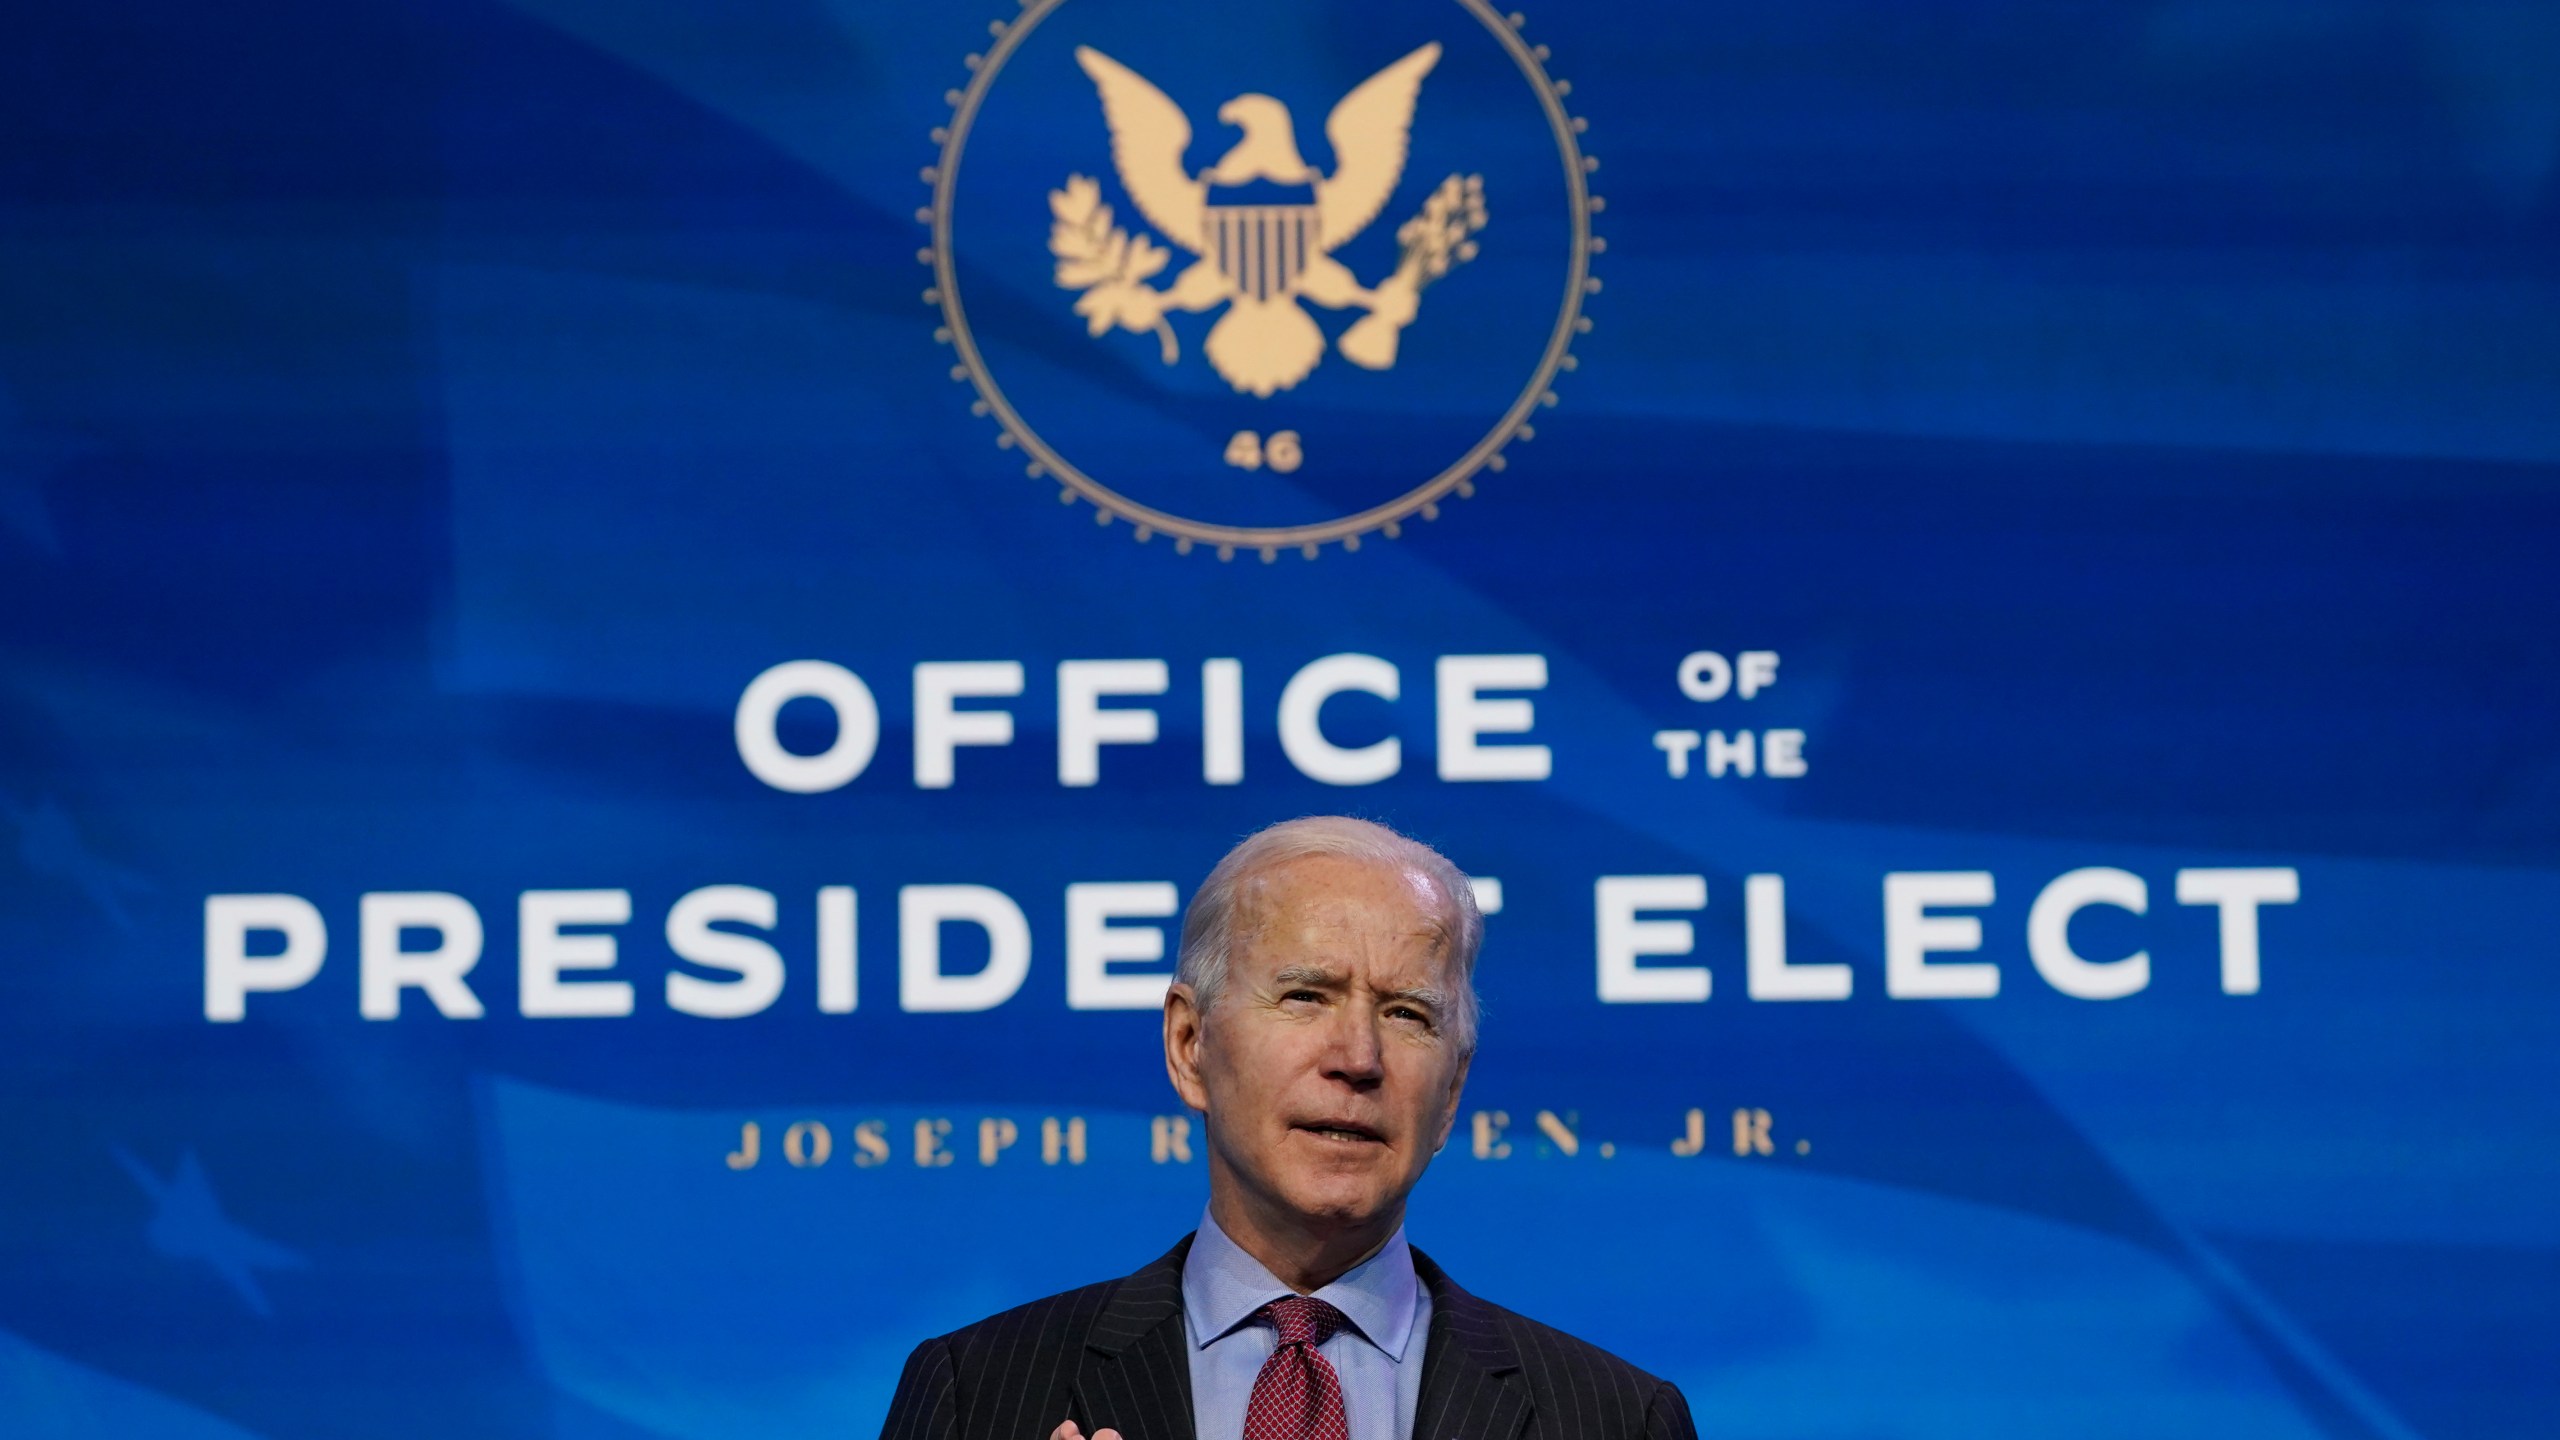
x=1303 y=1319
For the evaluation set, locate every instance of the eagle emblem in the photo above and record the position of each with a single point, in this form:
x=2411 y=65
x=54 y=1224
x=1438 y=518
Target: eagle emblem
x=1262 y=225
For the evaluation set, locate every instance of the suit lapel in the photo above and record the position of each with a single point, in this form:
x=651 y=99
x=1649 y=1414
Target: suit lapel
x=1471 y=1383
x=1136 y=1373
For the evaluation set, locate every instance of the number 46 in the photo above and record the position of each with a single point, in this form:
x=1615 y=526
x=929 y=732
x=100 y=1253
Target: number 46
x=1248 y=452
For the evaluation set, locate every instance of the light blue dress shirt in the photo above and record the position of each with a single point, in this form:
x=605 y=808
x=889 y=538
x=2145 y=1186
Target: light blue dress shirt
x=1378 y=1355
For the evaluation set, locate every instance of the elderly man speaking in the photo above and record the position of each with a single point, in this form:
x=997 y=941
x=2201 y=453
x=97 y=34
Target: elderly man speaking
x=1321 y=1020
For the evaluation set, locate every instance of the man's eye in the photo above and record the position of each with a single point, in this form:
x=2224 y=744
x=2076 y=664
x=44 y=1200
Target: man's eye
x=1407 y=1012
x=1302 y=995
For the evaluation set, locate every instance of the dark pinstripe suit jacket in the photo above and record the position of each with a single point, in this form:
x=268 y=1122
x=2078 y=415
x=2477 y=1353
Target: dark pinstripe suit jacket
x=1115 y=1356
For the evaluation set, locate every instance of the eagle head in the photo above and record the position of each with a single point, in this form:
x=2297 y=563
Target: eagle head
x=1269 y=149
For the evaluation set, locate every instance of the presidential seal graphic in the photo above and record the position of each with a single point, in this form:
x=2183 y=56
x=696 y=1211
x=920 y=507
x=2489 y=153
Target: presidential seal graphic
x=1260 y=278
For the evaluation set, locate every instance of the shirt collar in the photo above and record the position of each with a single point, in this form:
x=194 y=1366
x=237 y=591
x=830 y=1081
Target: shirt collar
x=1222 y=1287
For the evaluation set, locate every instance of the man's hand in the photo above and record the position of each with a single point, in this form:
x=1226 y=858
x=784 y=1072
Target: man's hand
x=1067 y=1431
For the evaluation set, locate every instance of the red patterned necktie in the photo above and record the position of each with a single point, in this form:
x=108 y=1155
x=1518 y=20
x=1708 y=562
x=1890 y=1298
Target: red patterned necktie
x=1297 y=1396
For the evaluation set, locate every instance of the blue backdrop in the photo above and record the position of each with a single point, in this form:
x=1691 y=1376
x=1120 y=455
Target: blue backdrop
x=1978 y=578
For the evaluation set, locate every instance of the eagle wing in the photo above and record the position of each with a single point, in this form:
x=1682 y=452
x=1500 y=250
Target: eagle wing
x=1148 y=135
x=1369 y=131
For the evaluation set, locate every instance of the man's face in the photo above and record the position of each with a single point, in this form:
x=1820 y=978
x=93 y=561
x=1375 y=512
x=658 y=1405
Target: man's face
x=1327 y=1070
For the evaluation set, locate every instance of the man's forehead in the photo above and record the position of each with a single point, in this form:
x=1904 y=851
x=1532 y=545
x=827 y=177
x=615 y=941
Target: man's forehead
x=1344 y=889
x=1374 y=926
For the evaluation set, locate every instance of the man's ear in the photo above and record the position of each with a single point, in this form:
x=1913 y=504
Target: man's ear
x=1183 y=1032
x=1457 y=1087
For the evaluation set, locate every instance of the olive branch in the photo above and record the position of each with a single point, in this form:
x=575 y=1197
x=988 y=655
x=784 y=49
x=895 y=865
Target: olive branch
x=1439 y=238
x=1107 y=264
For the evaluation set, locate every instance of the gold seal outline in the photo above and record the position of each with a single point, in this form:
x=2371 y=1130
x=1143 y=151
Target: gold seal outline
x=1146 y=521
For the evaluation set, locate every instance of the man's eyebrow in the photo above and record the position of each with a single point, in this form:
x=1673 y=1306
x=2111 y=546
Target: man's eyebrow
x=1430 y=997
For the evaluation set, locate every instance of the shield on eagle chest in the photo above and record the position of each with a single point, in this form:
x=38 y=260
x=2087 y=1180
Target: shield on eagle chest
x=1264 y=243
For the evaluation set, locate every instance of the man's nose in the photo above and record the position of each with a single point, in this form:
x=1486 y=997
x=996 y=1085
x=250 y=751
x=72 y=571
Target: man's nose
x=1354 y=1053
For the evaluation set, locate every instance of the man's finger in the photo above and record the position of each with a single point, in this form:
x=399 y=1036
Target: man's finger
x=1067 y=1431
x=1106 y=1435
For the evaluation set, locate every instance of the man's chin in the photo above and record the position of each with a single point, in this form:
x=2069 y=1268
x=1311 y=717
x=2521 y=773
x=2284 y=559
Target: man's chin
x=1345 y=1204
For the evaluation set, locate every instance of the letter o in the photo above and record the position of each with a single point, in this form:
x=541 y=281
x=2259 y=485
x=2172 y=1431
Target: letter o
x=808 y=1144
x=1705 y=675
x=857 y=726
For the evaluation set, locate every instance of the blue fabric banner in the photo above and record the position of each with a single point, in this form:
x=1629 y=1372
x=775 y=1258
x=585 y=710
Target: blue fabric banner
x=624 y=624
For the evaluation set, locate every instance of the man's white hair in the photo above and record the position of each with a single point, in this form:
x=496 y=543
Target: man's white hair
x=1208 y=926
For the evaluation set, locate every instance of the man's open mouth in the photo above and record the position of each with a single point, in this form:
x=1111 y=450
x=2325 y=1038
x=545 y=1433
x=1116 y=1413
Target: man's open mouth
x=1346 y=1131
